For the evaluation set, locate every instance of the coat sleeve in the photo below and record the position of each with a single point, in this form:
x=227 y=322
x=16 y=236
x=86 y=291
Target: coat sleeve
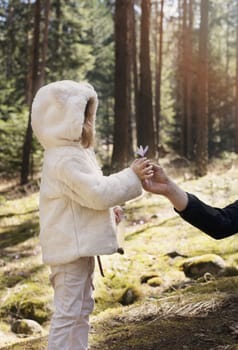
x=216 y=222
x=94 y=190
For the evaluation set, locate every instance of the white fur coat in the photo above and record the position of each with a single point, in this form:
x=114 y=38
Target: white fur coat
x=76 y=200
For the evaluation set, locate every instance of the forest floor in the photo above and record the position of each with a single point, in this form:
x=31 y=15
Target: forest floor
x=174 y=312
x=207 y=325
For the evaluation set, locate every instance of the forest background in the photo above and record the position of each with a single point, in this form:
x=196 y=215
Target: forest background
x=165 y=72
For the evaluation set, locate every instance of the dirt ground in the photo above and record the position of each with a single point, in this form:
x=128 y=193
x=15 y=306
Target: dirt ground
x=208 y=325
x=202 y=326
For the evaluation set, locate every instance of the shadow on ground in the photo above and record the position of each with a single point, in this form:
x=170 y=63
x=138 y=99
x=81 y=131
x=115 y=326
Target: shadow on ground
x=16 y=234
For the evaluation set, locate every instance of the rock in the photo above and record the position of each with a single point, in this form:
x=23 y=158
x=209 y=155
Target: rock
x=229 y=271
x=197 y=266
x=175 y=254
x=27 y=327
x=155 y=282
x=146 y=278
x=34 y=309
x=129 y=296
x=154 y=216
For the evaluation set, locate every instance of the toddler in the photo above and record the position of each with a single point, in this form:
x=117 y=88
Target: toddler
x=77 y=219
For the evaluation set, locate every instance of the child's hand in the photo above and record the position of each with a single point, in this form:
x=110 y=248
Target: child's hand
x=143 y=168
x=118 y=211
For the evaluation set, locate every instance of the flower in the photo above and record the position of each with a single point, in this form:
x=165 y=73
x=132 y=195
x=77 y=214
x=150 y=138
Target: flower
x=142 y=151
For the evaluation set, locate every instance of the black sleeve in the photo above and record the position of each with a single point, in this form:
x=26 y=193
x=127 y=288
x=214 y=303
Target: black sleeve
x=216 y=222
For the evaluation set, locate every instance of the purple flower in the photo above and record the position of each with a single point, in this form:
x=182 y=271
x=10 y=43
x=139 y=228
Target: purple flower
x=142 y=151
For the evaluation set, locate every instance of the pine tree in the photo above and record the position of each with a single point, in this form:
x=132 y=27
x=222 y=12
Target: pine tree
x=145 y=121
x=202 y=94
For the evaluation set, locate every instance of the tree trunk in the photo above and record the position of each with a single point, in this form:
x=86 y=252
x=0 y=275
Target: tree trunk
x=34 y=85
x=10 y=39
x=56 y=44
x=184 y=73
x=236 y=97
x=202 y=94
x=28 y=86
x=120 y=154
x=158 y=72
x=145 y=125
x=135 y=72
x=44 y=42
x=131 y=24
x=179 y=88
x=189 y=78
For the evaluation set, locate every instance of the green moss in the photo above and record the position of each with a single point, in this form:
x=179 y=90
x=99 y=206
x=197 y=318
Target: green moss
x=155 y=282
x=40 y=343
x=11 y=277
x=229 y=271
x=202 y=259
x=146 y=278
x=11 y=281
x=30 y=301
x=21 y=327
x=223 y=285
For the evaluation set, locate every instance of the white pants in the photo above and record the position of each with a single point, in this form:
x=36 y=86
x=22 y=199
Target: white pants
x=73 y=301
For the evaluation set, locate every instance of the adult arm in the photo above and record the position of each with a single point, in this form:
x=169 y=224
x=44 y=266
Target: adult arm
x=216 y=222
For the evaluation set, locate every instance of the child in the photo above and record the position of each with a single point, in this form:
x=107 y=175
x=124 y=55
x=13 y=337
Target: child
x=76 y=217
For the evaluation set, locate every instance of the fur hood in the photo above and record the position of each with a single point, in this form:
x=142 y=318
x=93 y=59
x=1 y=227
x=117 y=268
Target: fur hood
x=58 y=112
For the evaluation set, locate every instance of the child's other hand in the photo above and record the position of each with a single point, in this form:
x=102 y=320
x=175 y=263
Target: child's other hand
x=118 y=212
x=143 y=168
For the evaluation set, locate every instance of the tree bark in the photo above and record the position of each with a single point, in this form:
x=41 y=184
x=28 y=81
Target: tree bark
x=202 y=94
x=236 y=86
x=145 y=124
x=44 y=42
x=158 y=72
x=36 y=78
x=184 y=73
x=120 y=154
x=189 y=83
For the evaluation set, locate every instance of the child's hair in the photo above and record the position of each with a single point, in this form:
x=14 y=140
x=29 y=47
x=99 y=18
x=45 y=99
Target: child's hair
x=88 y=134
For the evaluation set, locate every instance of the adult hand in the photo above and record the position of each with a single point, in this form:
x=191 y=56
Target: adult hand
x=158 y=183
